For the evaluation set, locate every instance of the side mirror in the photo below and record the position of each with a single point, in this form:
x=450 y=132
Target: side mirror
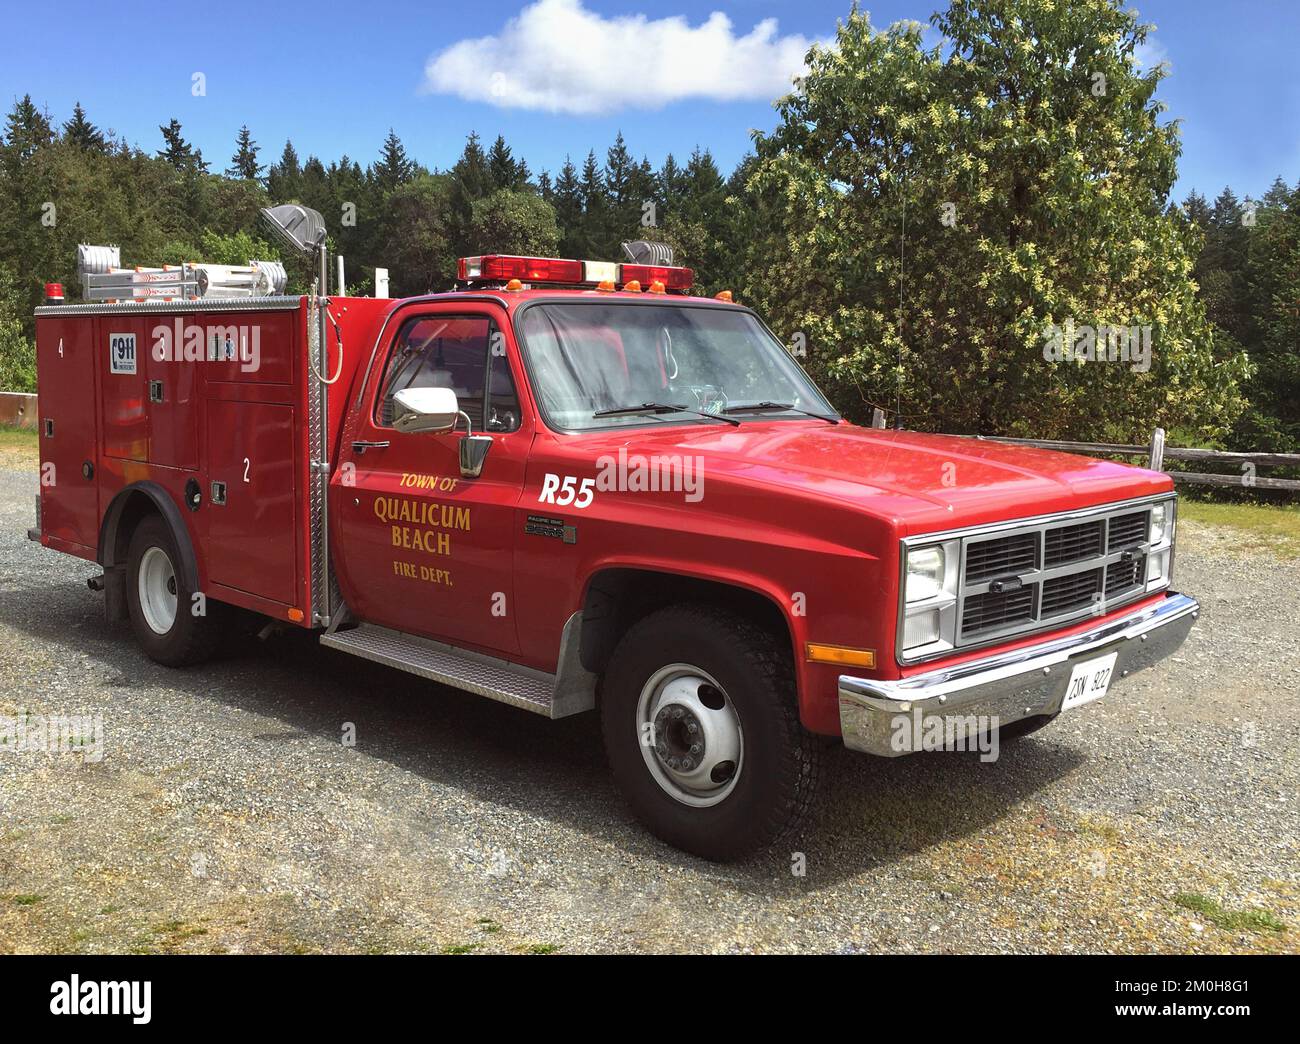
x=425 y=409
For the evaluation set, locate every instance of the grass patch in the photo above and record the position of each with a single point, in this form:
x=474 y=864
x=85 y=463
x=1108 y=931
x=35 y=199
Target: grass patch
x=459 y=948
x=1229 y=920
x=25 y=900
x=1270 y=527
x=541 y=948
x=18 y=447
x=486 y=924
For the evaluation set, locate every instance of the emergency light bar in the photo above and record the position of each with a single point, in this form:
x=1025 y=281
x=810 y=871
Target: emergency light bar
x=497 y=268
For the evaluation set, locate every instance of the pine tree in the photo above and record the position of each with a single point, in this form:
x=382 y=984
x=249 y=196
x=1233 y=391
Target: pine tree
x=284 y=179
x=592 y=236
x=568 y=209
x=504 y=170
x=82 y=134
x=393 y=168
x=26 y=130
x=244 y=162
x=178 y=152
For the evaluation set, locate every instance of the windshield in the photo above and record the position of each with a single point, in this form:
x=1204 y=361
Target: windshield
x=589 y=358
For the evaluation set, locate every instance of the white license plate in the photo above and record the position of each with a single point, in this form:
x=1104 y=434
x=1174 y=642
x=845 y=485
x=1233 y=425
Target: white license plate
x=1089 y=681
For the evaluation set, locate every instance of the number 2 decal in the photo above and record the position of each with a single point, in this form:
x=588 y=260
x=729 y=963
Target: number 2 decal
x=246 y=466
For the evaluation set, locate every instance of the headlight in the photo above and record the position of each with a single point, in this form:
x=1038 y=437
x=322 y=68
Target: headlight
x=925 y=569
x=929 y=618
x=1160 y=557
x=1161 y=516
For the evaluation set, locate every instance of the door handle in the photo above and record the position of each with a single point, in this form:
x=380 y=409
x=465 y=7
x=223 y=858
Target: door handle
x=361 y=447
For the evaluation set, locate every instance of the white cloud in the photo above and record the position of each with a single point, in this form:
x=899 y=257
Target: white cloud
x=557 y=56
x=1150 y=54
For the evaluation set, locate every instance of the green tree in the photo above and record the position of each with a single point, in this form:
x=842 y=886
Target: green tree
x=942 y=211
x=83 y=134
x=514 y=223
x=284 y=179
x=243 y=164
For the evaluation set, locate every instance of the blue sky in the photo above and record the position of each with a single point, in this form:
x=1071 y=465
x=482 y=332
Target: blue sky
x=418 y=68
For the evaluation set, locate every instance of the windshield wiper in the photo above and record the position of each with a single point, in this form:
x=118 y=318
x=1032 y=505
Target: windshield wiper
x=764 y=407
x=662 y=407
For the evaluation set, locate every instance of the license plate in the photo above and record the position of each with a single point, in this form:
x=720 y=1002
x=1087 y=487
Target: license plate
x=1089 y=681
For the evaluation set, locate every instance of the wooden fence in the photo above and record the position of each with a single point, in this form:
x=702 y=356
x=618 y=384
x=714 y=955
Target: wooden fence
x=1156 y=453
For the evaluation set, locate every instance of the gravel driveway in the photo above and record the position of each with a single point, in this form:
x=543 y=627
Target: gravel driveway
x=228 y=815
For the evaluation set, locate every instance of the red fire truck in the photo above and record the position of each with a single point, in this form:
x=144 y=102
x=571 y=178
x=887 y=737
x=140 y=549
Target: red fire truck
x=572 y=485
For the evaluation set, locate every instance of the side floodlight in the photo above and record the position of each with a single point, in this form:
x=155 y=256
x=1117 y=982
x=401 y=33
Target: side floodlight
x=296 y=226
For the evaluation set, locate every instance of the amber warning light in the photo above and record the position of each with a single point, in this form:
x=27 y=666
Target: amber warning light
x=602 y=275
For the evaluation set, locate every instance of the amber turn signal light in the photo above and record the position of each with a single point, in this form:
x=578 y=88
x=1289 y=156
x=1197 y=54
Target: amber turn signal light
x=840 y=654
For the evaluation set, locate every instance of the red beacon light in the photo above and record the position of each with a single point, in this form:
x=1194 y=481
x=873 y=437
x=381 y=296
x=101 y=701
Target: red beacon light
x=598 y=275
x=54 y=293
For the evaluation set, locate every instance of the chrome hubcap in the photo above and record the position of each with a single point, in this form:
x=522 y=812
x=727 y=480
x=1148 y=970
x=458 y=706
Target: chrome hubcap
x=157 y=590
x=690 y=735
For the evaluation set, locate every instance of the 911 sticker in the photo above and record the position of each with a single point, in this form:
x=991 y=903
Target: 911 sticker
x=121 y=352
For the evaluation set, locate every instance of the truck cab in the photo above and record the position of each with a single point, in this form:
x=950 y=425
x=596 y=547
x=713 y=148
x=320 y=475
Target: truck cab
x=574 y=486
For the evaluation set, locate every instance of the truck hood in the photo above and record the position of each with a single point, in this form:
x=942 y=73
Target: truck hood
x=920 y=482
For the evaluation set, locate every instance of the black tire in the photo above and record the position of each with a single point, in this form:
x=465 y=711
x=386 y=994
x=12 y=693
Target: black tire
x=191 y=639
x=777 y=778
x=1025 y=727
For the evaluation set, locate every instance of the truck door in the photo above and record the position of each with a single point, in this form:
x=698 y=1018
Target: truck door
x=417 y=546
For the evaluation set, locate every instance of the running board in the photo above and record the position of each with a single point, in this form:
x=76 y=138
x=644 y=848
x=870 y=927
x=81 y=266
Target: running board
x=570 y=691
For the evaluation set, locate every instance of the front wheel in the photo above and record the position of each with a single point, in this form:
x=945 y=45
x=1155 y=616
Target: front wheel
x=172 y=626
x=702 y=732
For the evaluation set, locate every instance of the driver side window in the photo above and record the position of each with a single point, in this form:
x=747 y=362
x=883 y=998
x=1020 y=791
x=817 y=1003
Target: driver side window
x=456 y=352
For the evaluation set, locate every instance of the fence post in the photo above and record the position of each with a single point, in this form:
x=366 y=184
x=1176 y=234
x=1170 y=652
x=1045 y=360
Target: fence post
x=1157 y=450
x=877 y=418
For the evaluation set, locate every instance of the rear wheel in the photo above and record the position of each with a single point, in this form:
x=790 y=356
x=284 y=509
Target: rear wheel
x=171 y=626
x=702 y=732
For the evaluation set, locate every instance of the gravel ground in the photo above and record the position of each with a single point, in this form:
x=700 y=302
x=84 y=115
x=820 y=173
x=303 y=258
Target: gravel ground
x=228 y=815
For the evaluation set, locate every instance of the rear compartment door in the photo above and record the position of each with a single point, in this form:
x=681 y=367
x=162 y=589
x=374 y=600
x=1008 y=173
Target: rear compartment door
x=252 y=538
x=66 y=356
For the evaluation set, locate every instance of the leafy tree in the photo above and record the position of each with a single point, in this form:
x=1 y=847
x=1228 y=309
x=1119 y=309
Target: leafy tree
x=17 y=352
x=420 y=235
x=514 y=223
x=942 y=210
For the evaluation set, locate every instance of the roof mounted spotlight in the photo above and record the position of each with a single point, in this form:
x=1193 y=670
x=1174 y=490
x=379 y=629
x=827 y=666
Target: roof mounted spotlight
x=296 y=226
x=644 y=252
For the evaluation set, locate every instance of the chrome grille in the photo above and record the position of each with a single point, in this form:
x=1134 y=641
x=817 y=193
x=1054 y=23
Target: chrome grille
x=1128 y=530
x=1072 y=543
x=1064 y=594
x=1000 y=557
x=996 y=609
x=1050 y=572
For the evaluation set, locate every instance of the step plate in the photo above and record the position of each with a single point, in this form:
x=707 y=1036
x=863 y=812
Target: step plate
x=496 y=679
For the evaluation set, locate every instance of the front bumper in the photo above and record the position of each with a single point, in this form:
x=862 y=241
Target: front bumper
x=1011 y=685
